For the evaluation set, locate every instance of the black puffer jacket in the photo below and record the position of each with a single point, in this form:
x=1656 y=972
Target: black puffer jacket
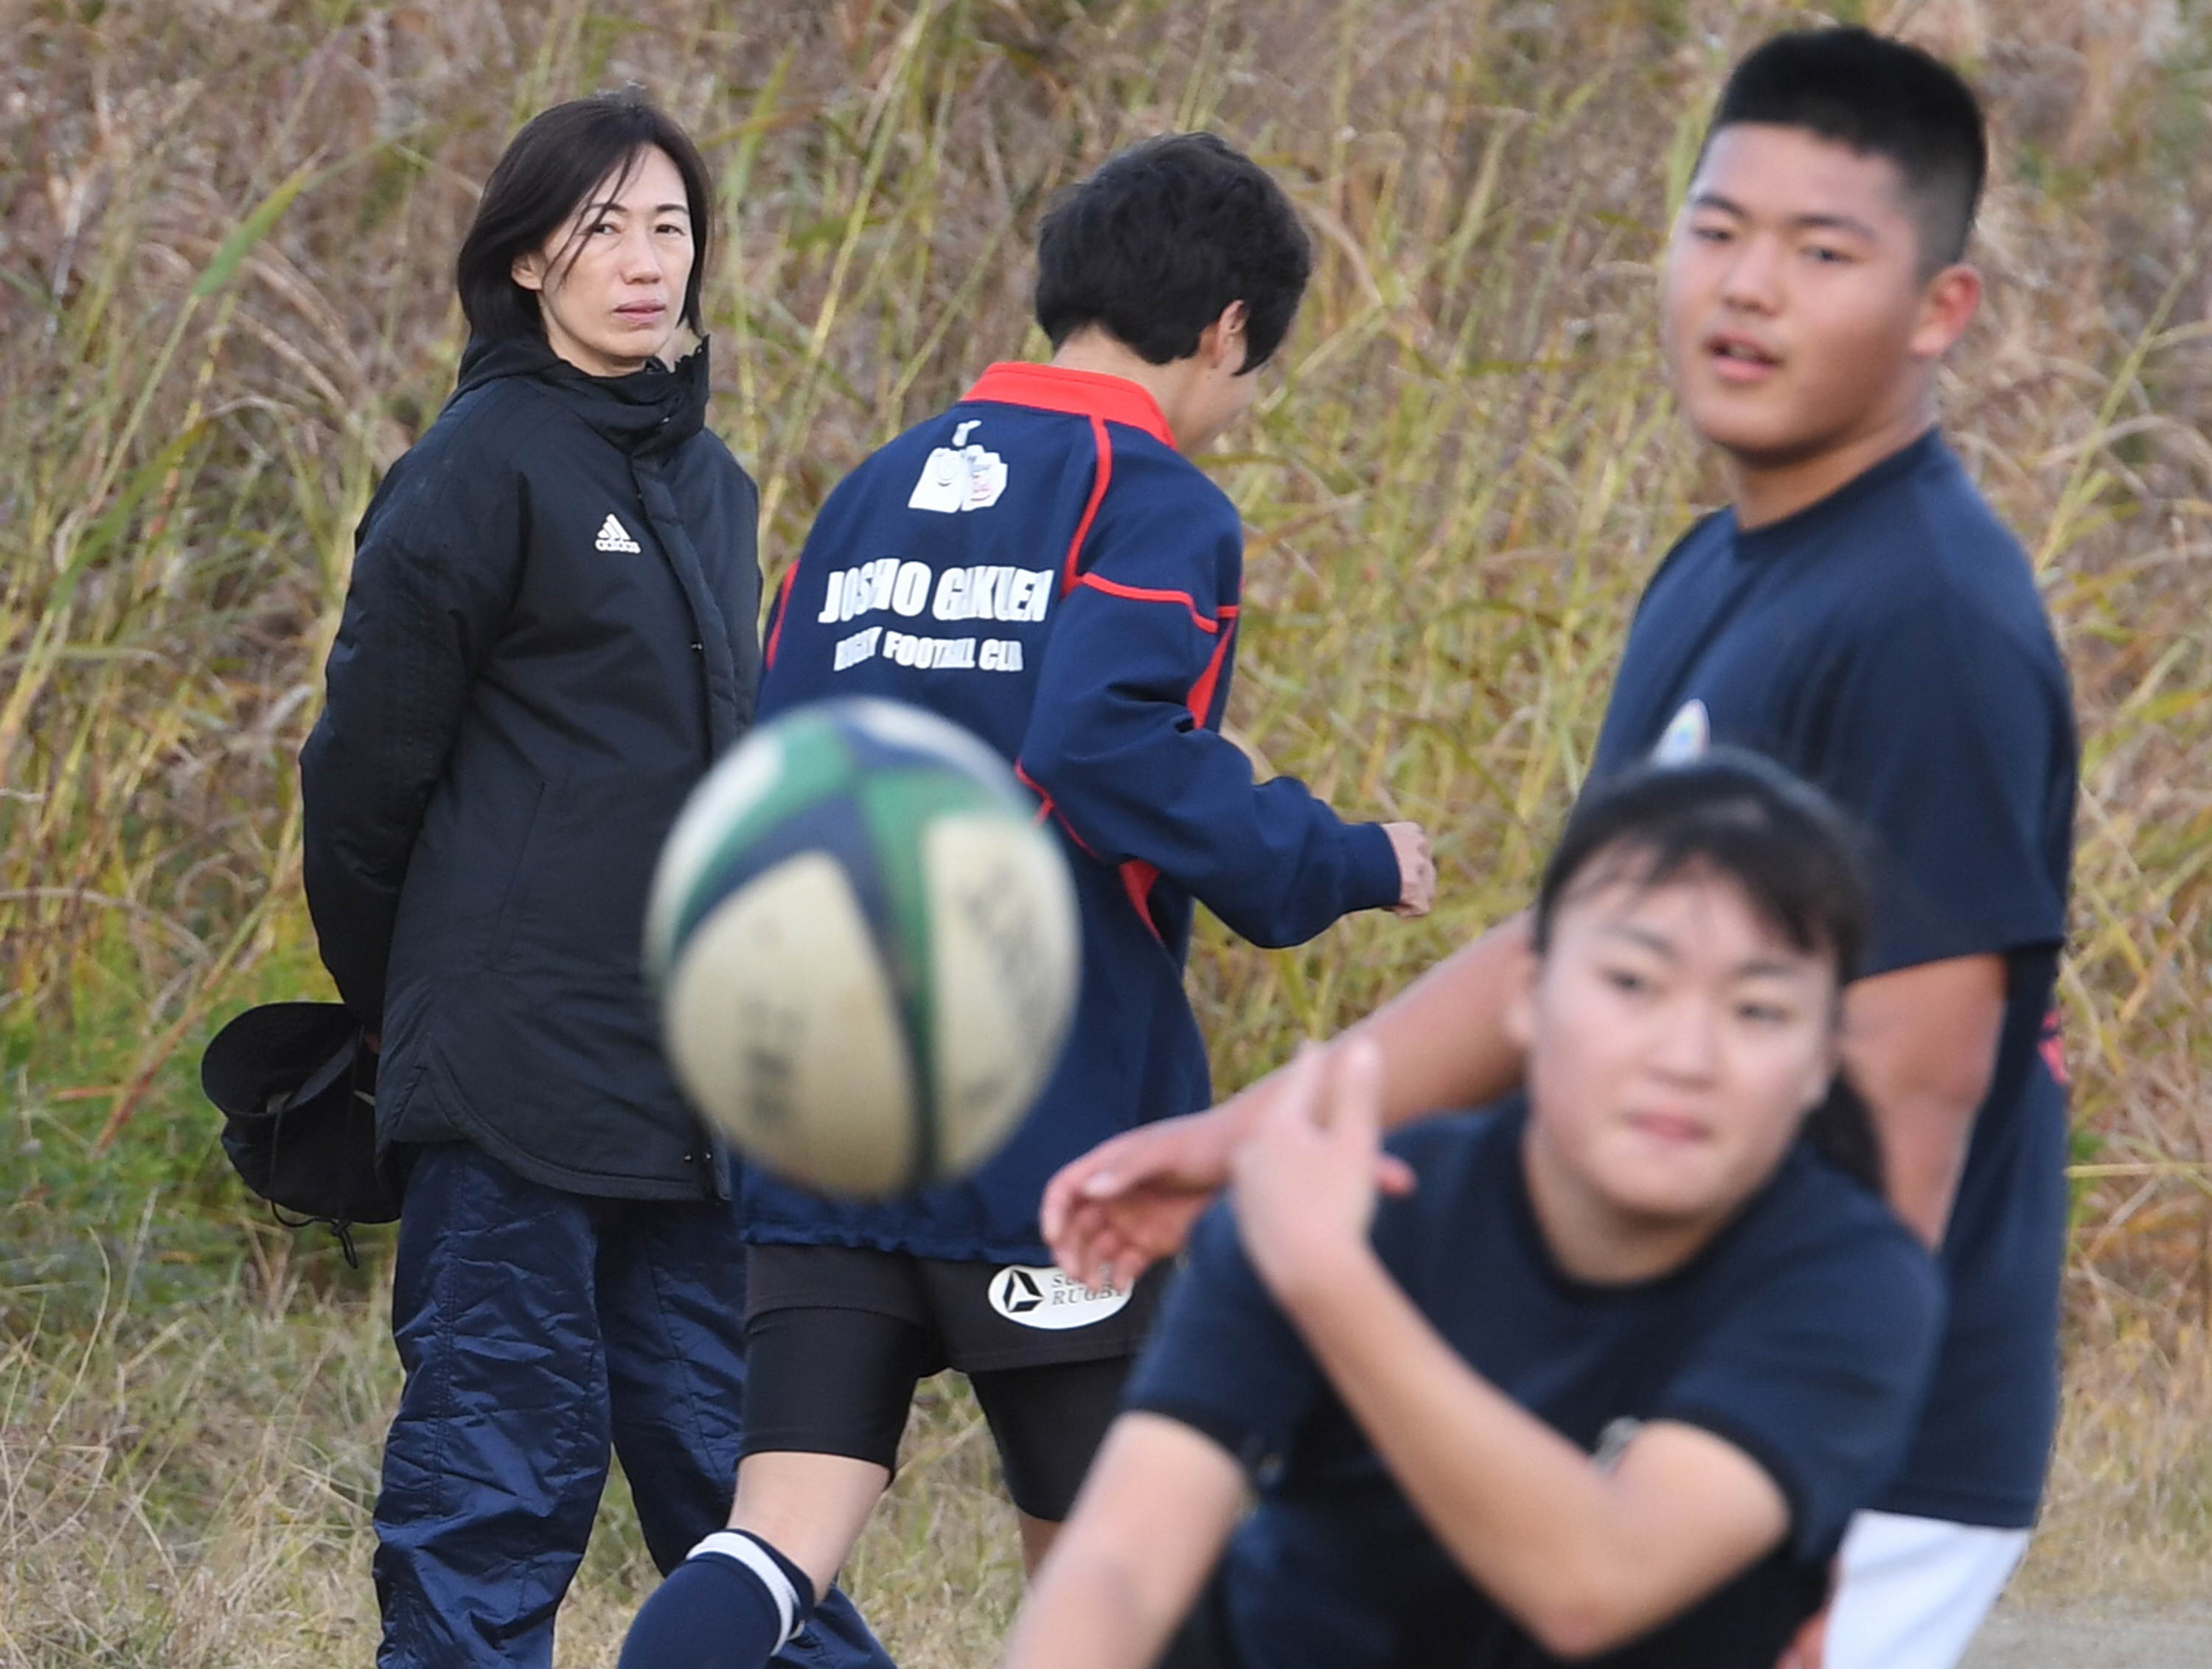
x=550 y=636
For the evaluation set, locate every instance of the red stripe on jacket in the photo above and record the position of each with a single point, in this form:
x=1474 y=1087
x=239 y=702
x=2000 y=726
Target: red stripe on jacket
x=1048 y=808
x=1099 y=477
x=782 y=603
x=1142 y=594
x=1201 y=693
x=1137 y=878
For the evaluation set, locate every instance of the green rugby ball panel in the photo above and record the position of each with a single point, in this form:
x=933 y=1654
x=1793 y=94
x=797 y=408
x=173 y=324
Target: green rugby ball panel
x=774 y=773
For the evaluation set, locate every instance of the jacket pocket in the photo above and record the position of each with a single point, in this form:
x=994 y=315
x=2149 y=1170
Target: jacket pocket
x=516 y=894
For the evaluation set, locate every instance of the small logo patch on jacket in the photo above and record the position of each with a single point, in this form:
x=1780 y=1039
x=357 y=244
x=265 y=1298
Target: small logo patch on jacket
x=613 y=535
x=1045 y=1298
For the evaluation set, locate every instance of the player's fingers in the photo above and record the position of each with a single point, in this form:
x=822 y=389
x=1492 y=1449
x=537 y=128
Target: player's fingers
x=1393 y=1175
x=1073 y=1249
x=1420 y=892
x=1068 y=1255
x=1052 y=1210
x=1099 y=1267
x=1098 y=1176
x=1085 y=1255
x=1087 y=1234
x=1115 y=1259
x=1150 y=1153
x=1122 y=1272
x=1109 y=1248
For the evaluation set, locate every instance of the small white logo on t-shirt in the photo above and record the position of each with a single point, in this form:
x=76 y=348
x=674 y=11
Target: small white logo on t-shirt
x=613 y=535
x=1687 y=735
x=1045 y=1298
x=959 y=477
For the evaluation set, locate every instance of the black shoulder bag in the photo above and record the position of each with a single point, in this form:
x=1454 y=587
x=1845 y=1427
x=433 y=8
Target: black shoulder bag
x=296 y=1085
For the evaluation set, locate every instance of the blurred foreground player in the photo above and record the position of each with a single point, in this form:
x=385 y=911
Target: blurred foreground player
x=1044 y=565
x=1860 y=615
x=1609 y=1382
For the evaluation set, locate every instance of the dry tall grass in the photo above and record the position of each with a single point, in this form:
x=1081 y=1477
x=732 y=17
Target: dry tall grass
x=224 y=226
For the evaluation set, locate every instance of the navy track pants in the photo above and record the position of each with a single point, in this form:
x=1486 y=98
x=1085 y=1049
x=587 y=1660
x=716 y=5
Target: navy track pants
x=538 y=1328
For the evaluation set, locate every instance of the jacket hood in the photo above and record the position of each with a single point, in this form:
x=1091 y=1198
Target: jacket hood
x=648 y=411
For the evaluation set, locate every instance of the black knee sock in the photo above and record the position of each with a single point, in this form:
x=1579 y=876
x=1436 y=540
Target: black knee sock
x=731 y=1605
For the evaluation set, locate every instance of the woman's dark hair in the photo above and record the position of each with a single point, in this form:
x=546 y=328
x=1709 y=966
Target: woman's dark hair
x=1152 y=246
x=1737 y=815
x=1881 y=98
x=561 y=157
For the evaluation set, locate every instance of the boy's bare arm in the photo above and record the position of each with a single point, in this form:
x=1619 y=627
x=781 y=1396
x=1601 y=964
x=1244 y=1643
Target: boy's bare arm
x=1585 y=1559
x=1920 y=1044
x=1443 y=1039
x=1159 y=1502
x=1132 y=1200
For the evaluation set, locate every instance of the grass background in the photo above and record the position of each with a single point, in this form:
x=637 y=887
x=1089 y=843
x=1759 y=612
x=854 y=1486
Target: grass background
x=225 y=231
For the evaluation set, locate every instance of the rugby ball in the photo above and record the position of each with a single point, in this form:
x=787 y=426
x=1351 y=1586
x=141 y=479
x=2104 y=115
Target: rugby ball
x=864 y=947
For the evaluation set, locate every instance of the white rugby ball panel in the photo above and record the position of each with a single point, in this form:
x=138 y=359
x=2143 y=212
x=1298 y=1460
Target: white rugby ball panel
x=784 y=1030
x=1004 y=966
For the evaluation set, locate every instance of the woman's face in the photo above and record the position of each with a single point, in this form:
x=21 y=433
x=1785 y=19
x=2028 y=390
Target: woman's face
x=1675 y=1041
x=610 y=282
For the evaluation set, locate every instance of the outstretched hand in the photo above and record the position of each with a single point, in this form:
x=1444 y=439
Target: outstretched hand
x=1130 y=1200
x=1417 y=869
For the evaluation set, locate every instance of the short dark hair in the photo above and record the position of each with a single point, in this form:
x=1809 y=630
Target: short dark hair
x=549 y=168
x=1163 y=237
x=1731 y=813
x=1799 y=861
x=1881 y=98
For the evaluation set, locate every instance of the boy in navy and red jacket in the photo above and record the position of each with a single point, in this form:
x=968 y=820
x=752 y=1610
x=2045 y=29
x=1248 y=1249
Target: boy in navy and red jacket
x=1043 y=564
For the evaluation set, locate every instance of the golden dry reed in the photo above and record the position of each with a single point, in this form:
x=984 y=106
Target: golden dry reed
x=225 y=231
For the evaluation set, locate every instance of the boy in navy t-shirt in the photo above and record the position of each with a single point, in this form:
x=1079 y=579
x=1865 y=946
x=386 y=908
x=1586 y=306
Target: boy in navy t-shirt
x=1859 y=614
x=1609 y=1381
x=1043 y=564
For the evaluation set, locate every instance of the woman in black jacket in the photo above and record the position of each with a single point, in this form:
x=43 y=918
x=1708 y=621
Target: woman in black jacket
x=550 y=633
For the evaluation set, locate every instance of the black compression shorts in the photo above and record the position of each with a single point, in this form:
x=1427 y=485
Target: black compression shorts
x=836 y=1338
